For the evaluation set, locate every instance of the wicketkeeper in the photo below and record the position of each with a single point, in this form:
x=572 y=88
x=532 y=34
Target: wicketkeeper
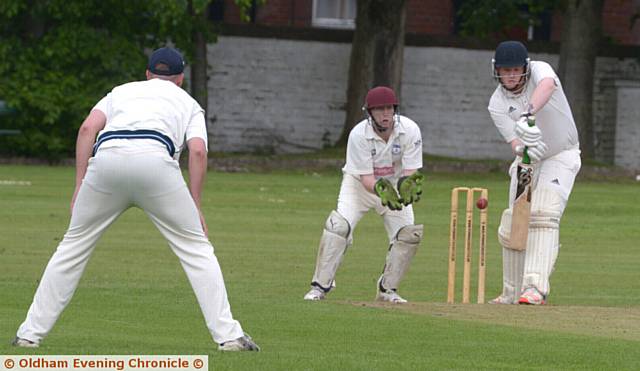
x=532 y=88
x=384 y=154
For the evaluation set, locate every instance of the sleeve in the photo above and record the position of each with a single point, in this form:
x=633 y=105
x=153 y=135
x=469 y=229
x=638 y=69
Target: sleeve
x=359 y=157
x=501 y=119
x=542 y=70
x=197 y=128
x=412 y=152
x=104 y=105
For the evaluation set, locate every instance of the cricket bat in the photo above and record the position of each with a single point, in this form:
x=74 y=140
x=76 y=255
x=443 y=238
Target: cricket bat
x=522 y=201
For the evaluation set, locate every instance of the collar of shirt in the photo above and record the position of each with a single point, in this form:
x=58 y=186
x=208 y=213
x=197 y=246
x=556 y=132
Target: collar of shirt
x=370 y=133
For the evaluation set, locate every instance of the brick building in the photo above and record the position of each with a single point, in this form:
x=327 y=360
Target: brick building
x=424 y=17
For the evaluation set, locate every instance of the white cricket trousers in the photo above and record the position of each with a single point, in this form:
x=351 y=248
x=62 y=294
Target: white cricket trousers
x=116 y=179
x=355 y=201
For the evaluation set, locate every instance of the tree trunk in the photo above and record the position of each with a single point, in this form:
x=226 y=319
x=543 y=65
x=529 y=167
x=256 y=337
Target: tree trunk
x=199 y=70
x=199 y=63
x=376 y=55
x=582 y=32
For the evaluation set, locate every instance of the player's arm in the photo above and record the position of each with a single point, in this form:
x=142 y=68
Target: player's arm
x=369 y=182
x=95 y=121
x=197 y=173
x=541 y=94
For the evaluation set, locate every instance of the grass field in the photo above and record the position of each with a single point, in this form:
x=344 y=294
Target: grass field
x=134 y=298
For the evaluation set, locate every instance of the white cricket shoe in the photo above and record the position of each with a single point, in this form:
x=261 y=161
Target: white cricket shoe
x=24 y=343
x=531 y=296
x=243 y=343
x=504 y=299
x=388 y=295
x=315 y=294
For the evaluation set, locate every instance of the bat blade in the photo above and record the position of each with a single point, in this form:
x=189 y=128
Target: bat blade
x=521 y=208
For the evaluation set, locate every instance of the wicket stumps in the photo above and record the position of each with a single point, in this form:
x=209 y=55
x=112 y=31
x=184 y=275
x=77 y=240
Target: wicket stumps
x=466 y=278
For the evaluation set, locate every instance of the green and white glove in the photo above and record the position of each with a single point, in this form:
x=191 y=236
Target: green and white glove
x=384 y=189
x=410 y=188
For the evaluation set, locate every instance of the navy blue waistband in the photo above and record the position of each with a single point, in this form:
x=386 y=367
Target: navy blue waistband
x=135 y=134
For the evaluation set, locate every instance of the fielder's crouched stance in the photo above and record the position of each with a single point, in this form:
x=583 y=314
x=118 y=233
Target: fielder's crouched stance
x=143 y=126
x=527 y=88
x=384 y=153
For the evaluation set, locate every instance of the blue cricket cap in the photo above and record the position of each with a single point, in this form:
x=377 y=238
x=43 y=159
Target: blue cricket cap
x=166 y=61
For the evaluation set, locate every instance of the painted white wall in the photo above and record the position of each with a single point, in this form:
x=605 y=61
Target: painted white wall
x=288 y=96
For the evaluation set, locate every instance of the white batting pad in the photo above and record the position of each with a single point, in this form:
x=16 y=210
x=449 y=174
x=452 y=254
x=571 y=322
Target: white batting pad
x=504 y=230
x=333 y=245
x=512 y=261
x=512 y=271
x=400 y=254
x=544 y=239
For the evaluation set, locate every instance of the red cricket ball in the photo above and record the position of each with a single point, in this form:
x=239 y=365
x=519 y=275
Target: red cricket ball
x=482 y=203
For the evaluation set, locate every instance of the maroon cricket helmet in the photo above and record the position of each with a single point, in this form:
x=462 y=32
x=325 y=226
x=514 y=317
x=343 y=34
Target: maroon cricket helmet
x=381 y=96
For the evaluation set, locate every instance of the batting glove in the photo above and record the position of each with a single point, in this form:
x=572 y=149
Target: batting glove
x=537 y=152
x=410 y=188
x=384 y=189
x=529 y=135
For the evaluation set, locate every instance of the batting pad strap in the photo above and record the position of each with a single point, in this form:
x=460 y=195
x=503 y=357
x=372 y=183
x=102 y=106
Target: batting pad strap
x=545 y=219
x=546 y=208
x=400 y=255
x=135 y=134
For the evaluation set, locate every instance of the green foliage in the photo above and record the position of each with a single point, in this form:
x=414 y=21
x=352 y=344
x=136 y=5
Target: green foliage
x=59 y=57
x=482 y=18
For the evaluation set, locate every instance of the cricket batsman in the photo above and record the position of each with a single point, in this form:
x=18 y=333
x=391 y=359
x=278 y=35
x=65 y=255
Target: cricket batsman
x=384 y=154
x=528 y=89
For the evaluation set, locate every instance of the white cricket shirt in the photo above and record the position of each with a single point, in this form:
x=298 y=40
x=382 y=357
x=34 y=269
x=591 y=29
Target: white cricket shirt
x=154 y=104
x=555 y=119
x=367 y=153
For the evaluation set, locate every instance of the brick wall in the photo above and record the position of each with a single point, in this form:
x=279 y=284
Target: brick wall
x=286 y=96
x=616 y=22
x=436 y=17
x=433 y=17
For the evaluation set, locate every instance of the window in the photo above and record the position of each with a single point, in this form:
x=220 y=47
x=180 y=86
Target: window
x=334 y=13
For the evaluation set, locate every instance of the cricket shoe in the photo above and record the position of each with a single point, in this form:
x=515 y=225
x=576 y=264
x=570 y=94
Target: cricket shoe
x=24 y=343
x=315 y=294
x=531 y=296
x=243 y=343
x=388 y=295
x=503 y=299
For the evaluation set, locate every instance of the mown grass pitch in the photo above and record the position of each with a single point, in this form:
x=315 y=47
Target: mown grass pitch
x=135 y=299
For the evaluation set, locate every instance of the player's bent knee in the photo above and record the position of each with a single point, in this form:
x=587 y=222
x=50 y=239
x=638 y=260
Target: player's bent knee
x=410 y=234
x=337 y=224
x=547 y=207
x=504 y=230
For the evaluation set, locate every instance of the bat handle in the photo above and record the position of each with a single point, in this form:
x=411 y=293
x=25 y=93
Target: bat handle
x=531 y=121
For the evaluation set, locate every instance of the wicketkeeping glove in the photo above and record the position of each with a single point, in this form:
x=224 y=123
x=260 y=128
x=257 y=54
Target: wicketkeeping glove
x=384 y=189
x=410 y=188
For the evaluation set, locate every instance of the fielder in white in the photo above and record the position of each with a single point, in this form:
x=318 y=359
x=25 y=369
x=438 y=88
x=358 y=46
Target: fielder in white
x=384 y=153
x=532 y=88
x=143 y=126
